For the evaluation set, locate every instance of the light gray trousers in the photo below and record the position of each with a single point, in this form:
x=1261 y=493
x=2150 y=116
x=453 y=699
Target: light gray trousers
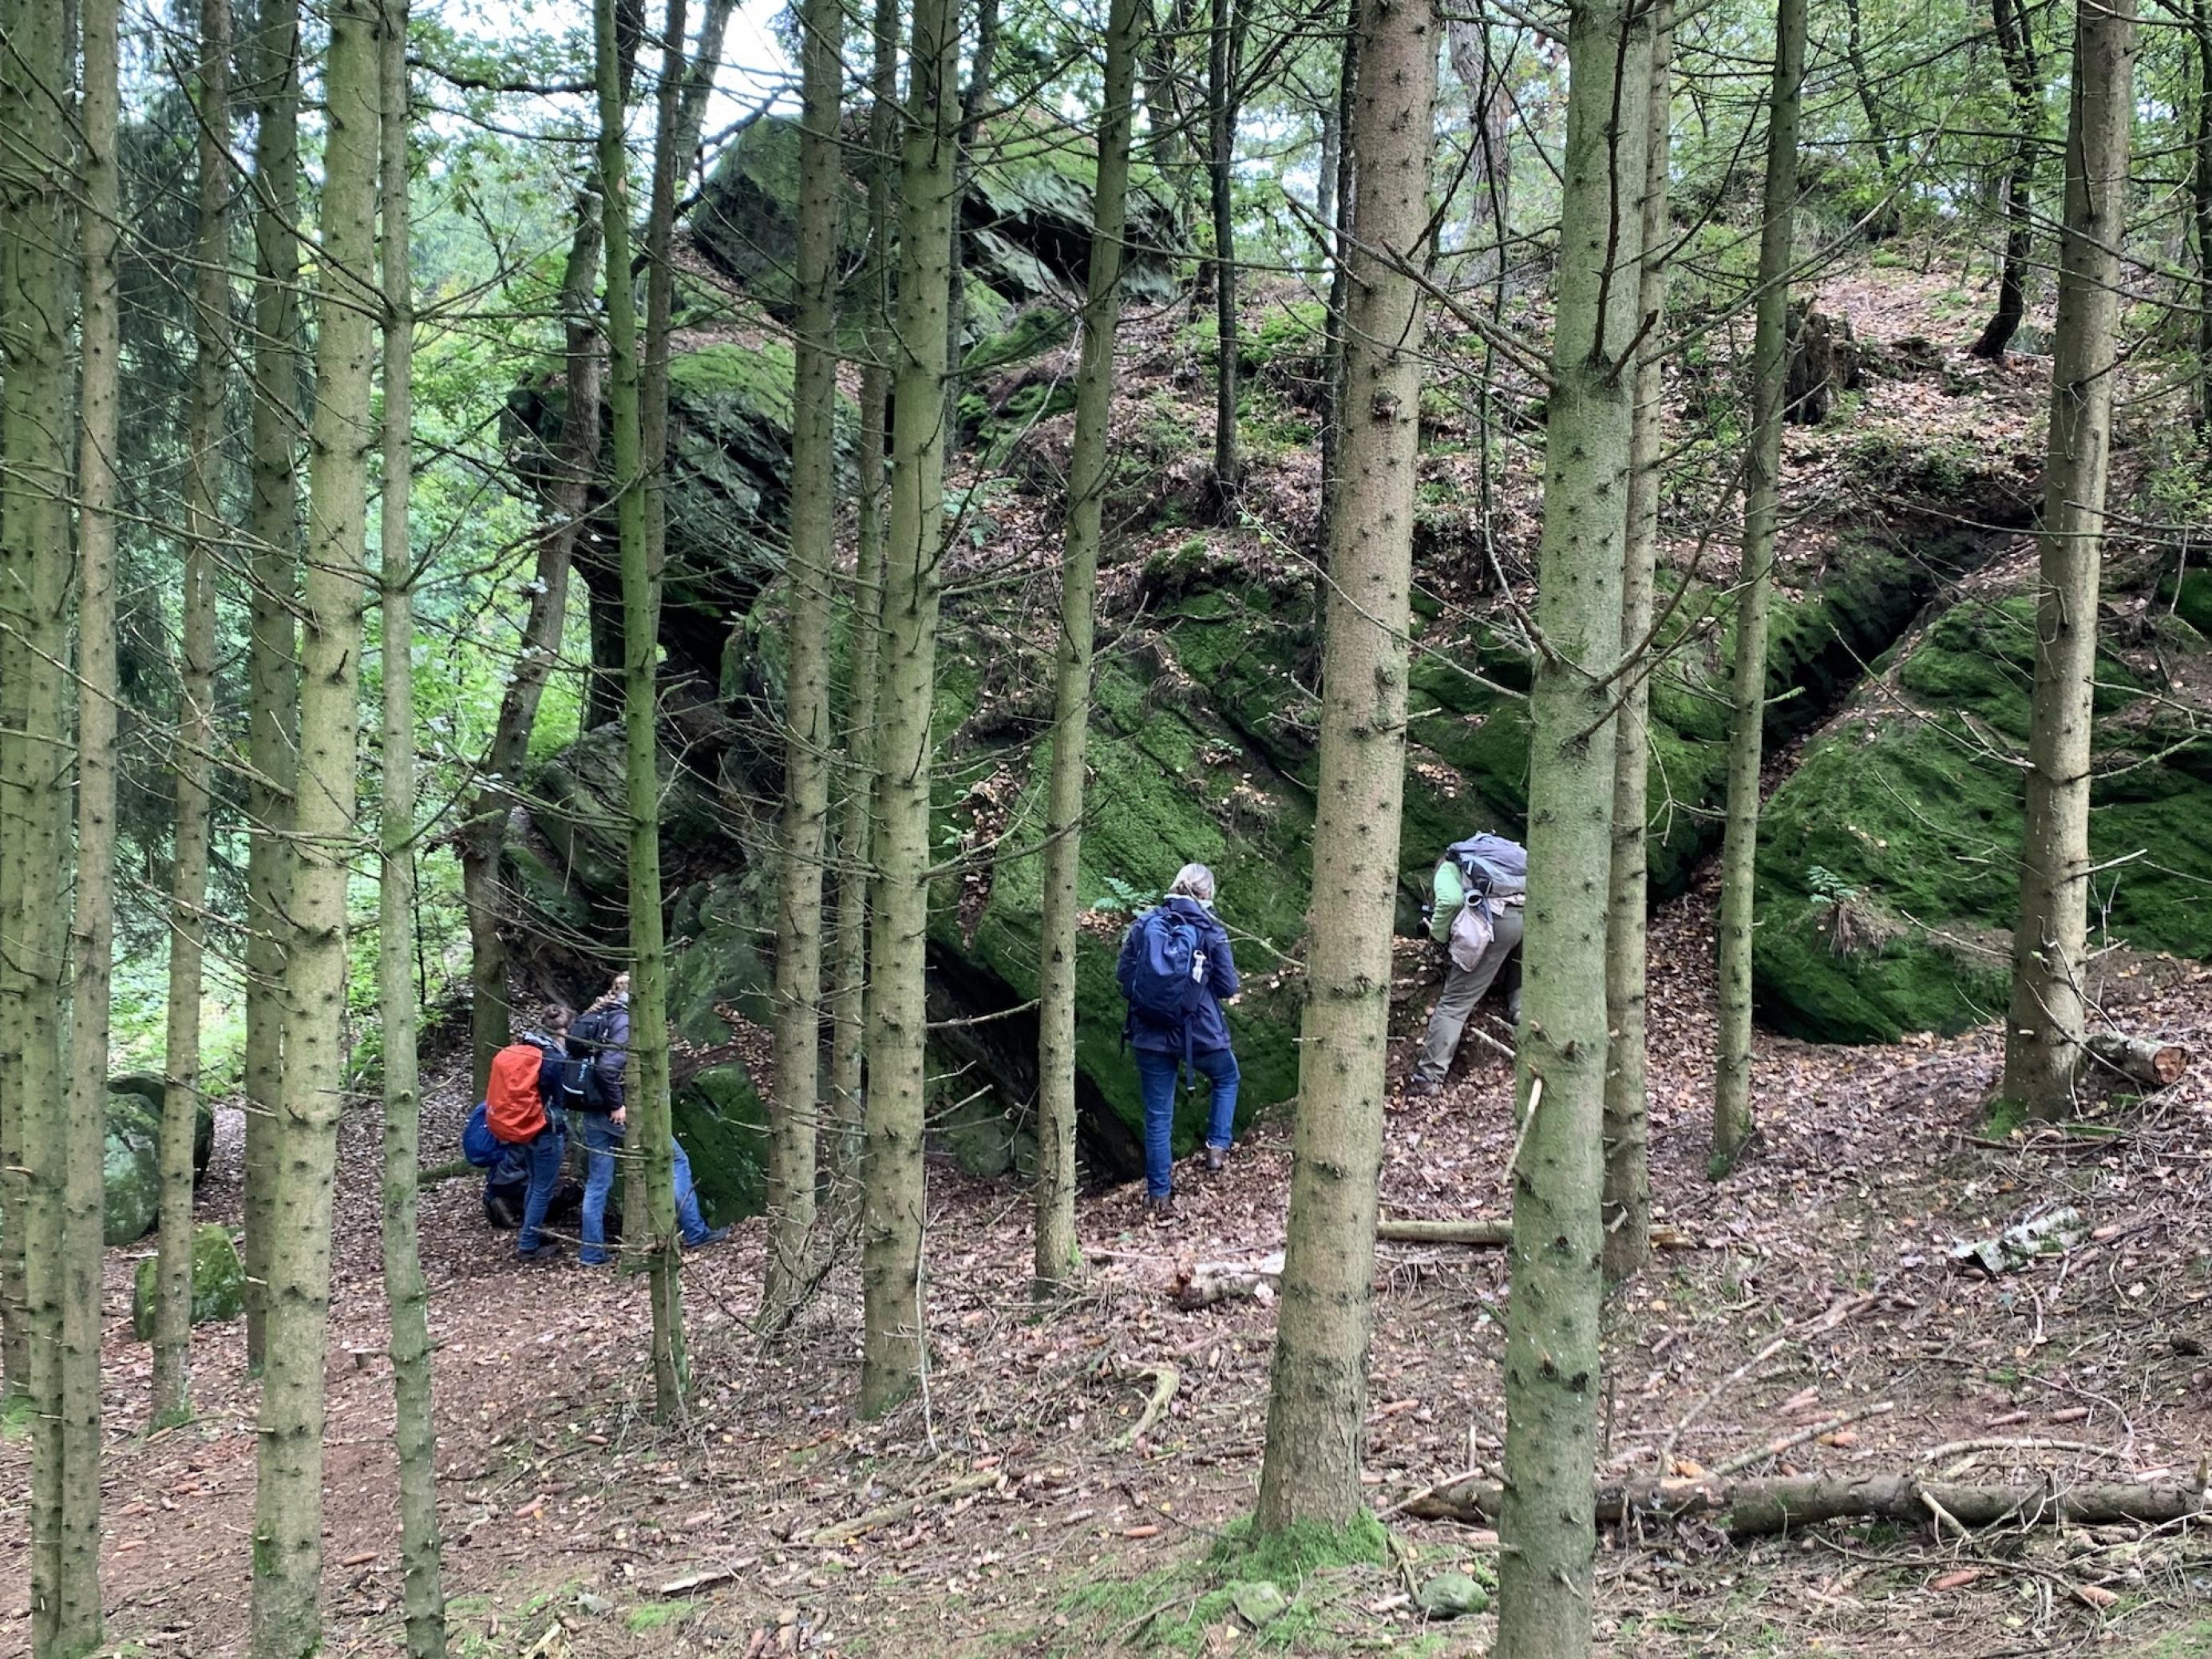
x=1463 y=988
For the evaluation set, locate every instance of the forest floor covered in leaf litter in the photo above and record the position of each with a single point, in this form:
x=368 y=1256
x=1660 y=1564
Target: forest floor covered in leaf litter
x=574 y=1526
x=1022 y=1506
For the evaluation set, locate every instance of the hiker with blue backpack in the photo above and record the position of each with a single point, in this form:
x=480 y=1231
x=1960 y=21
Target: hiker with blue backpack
x=1479 y=892
x=1176 y=972
x=518 y=1135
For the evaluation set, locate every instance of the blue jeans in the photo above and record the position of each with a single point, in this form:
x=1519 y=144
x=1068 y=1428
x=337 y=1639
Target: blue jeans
x=1155 y=1076
x=602 y=1140
x=542 y=1157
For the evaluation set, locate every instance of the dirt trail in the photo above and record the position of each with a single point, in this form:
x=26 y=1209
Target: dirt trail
x=556 y=1487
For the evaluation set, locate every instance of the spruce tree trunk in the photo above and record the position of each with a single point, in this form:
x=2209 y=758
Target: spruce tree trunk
x=1733 y=1125
x=92 y=938
x=2044 y=1032
x=2016 y=45
x=855 y=837
x=1223 y=39
x=1057 y=1258
x=1551 y=1369
x=194 y=763
x=973 y=101
x=272 y=669
x=810 y=568
x=47 y=1209
x=2200 y=20
x=288 y=1552
x=646 y=1081
x=413 y=1432
x=1317 y=1398
x=1627 y=1200
x=1340 y=293
x=894 y=1348
x=1884 y=223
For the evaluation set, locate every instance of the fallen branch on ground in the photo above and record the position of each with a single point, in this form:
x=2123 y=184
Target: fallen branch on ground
x=1394 y=1231
x=1755 y=1508
x=845 y=1531
x=1202 y=1284
x=2146 y=1061
x=1776 y=1448
x=1165 y=1377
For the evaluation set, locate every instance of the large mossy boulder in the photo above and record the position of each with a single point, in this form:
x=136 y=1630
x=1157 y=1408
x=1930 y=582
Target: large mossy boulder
x=218 y=1283
x=722 y=1124
x=1889 y=862
x=131 y=1193
x=1026 y=219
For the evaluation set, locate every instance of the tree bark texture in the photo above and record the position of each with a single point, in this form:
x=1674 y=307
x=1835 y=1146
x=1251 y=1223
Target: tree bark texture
x=1057 y=1258
x=1759 y=1507
x=288 y=1550
x=1732 y=1120
x=93 y=929
x=848 y=997
x=51 y=1201
x=1551 y=1369
x=2200 y=23
x=1316 y=1404
x=2044 y=1030
x=1224 y=52
x=406 y=1294
x=193 y=765
x=645 y=1077
x=810 y=568
x=2016 y=45
x=1489 y=182
x=894 y=1349
x=1627 y=1197
x=1339 y=292
x=272 y=665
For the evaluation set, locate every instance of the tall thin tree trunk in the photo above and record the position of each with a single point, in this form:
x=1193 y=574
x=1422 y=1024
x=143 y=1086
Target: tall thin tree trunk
x=92 y=939
x=1884 y=223
x=2016 y=45
x=855 y=835
x=1627 y=1202
x=1551 y=1369
x=1733 y=1127
x=61 y=1263
x=973 y=103
x=1223 y=36
x=288 y=1510
x=647 y=1078
x=483 y=835
x=2200 y=18
x=2043 y=1032
x=893 y=1349
x=1339 y=292
x=1057 y=1259
x=413 y=1432
x=194 y=766
x=1317 y=1400
x=808 y=740
x=272 y=672
x=1332 y=148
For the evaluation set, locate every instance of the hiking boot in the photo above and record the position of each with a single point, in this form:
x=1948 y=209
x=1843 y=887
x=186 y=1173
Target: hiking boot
x=711 y=1236
x=1159 y=1208
x=1418 y=1084
x=546 y=1251
x=1216 y=1159
x=1513 y=1009
x=593 y=1258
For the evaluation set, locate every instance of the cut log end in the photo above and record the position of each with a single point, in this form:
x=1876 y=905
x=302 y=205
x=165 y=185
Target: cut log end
x=2155 y=1064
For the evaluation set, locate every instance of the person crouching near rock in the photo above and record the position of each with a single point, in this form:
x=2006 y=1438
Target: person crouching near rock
x=1176 y=972
x=593 y=1084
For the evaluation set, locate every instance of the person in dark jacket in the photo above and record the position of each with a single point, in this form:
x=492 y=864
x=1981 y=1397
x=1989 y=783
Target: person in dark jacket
x=607 y=1051
x=1201 y=1038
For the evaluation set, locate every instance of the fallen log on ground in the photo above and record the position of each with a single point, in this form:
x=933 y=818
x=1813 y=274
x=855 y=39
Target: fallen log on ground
x=1392 y=1230
x=1755 y=1508
x=2146 y=1061
x=1202 y=1284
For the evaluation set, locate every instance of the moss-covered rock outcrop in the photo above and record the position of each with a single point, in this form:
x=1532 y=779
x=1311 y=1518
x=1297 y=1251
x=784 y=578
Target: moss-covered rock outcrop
x=1888 y=861
x=218 y=1283
x=131 y=1158
x=722 y=1125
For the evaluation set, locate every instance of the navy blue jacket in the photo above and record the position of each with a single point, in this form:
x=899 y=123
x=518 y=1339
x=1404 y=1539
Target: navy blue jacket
x=1209 y=1030
x=612 y=1058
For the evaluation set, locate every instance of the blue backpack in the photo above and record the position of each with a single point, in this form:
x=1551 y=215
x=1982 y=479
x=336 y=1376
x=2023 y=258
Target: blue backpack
x=1171 y=971
x=478 y=1145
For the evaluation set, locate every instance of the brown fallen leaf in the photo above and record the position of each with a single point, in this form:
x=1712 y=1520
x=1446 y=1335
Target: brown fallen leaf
x=360 y=1559
x=1957 y=1579
x=2097 y=1596
x=1141 y=1532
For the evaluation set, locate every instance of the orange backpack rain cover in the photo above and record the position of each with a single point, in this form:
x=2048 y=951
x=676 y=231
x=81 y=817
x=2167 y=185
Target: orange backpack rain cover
x=512 y=1111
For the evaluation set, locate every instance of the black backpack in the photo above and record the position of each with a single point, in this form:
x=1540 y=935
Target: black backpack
x=582 y=1088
